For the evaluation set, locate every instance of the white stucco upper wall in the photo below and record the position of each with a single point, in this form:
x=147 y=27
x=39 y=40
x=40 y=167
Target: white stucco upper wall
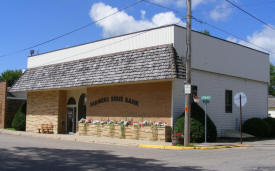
x=154 y=37
x=208 y=53
x=220 y=56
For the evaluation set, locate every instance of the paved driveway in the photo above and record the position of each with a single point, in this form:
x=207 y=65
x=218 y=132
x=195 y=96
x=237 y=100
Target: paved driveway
x=28 y=153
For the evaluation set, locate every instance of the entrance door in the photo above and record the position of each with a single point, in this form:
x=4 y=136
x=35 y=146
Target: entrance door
x=71 y=119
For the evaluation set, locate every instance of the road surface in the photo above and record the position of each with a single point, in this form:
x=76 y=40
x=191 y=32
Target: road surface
x=41 y=154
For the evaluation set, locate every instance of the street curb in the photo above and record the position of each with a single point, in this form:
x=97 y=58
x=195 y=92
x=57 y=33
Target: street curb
x=168 y=147
x=76 y=138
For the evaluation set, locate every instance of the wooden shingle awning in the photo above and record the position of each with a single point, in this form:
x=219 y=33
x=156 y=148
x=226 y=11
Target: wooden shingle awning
x=152 y=63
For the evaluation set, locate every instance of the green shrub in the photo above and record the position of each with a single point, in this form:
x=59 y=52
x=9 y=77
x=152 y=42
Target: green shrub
x=271 y=123
x=256 y=127
x=197 y=125
x=19 y=120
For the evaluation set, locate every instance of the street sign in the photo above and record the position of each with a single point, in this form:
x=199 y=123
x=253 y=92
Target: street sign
x=237 y=99
x=240 y=100
x=187 y=89
x=205 y=99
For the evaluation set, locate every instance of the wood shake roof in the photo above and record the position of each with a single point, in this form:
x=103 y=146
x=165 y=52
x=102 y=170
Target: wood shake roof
x=152 y=63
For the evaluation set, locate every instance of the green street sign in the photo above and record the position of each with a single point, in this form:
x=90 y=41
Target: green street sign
x=205 y=99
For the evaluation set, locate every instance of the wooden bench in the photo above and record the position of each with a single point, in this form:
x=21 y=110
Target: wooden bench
x=46 y=129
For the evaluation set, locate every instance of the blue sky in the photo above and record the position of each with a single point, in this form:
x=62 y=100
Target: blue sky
x=26 y=23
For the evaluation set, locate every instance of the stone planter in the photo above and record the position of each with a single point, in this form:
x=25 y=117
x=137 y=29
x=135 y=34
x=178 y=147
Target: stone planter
x=126 y=132
x=177 y=140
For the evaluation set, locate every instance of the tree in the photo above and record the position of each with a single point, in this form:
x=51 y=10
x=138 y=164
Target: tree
x=272 y=80
x=10 y=76
x=19 y=120
x=206 y=32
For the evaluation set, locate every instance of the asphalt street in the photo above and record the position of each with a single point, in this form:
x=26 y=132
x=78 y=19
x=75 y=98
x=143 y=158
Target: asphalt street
x=41 y=154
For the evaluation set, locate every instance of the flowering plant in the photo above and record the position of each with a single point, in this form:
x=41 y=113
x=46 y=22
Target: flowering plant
x=176 y=135
x=124 y=122
x=82 y=120
x=135 y=123
x=159 y=123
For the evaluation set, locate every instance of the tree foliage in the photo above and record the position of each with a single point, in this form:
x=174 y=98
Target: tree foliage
x=257 y=127
x=197 y=125
x=10 y=76
x=206 y=32
x=272 y=80
x=19 y=120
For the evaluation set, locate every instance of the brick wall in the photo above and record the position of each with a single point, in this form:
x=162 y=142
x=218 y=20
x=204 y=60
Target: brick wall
x=3 y=95
x=154 y=102
x=42 y=108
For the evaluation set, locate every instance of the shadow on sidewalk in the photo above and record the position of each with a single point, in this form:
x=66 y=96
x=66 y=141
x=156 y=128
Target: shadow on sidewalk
x=42 y=159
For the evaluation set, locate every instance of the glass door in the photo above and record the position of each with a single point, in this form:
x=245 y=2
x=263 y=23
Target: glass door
x=71 y=119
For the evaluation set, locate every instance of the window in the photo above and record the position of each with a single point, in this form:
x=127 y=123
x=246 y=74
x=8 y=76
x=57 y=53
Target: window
x=71 y=101
x=228 y=101
x=82 y=107
x=194 y=90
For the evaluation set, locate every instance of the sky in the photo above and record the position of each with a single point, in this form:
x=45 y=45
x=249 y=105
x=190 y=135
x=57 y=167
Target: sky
x=30 y=22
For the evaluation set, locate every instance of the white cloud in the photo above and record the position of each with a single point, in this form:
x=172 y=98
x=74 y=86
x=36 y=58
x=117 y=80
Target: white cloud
x=232 y=39
x=264 y=38
x=143 y=13
x=180 y=3
x=195 y=3
x=122 y=23
x=221 y=12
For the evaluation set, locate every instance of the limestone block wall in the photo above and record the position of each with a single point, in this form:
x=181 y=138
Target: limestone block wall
x=44 y=107
x=144 y=101
x=127 y=132
x=3 y=95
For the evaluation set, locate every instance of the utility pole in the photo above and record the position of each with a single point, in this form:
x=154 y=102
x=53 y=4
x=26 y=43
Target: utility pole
x=188 y=76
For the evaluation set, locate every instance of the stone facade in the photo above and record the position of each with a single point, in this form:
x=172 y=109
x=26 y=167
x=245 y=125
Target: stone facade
x=45 y=107
x=3 y=98
x=144 y=101
x=127 y=132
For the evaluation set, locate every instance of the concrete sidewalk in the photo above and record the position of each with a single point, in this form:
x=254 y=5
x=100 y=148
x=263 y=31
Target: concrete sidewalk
x=87 y=139
x=117 y=141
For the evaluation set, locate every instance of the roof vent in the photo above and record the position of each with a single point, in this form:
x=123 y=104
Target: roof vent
x=31 y=52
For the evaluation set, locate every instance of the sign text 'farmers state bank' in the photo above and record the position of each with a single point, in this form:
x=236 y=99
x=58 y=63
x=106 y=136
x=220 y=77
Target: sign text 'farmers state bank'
x=114 y=99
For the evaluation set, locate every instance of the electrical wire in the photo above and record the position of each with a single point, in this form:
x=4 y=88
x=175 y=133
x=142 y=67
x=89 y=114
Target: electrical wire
x=230 y=34
x=104 y=46
x=255 y=5
x=251 y=15
x=213 y=26
x=70 y=32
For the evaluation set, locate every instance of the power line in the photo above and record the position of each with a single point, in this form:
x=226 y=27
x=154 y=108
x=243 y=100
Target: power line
x=162 y=6
x=244 y=5
x=75 y=30
x=213 y=26
x=251 y=15
x=228 y=33
x=110 y=44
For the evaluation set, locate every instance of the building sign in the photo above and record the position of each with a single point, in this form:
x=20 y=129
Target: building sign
x=114 y=99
